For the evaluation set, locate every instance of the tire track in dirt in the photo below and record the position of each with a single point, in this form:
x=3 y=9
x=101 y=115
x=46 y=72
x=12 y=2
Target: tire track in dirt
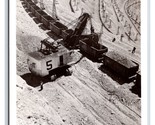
x=106 y=107
x=104 y=97
x=84 y=105
x=68 y=97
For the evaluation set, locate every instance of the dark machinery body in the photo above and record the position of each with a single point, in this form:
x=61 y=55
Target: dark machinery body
x=120 y=64
x=72 y=38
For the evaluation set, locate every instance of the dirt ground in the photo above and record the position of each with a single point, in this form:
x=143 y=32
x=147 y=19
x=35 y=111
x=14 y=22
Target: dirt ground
x=90 y=96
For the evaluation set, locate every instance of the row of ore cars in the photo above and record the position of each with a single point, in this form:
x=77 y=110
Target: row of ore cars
x=115 y=61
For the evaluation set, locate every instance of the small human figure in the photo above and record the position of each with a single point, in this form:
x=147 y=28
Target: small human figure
x=41 y=86
x=133 y=50
x=122 y=37
x=118 y=30
x=113 y=39
x=129 y=34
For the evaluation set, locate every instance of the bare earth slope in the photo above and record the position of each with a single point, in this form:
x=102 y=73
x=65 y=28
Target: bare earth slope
x=87 y=97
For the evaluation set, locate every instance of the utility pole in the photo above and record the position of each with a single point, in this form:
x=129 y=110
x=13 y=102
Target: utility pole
x=118 y=30
x=42 y=5
x=121 y=39
x=136 y=38
x=82 y=10
x=110 y=23
x=136 y=18
x=54 y=15
x=101 y=32
x=125 y=24
x=130 y=28
x=129 y=34
x=122 y=17
x=104 y=13
x=120 y=14
x=106 y=17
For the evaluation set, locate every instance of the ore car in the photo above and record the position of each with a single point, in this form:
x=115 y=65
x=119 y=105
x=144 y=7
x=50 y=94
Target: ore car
x=120 y=64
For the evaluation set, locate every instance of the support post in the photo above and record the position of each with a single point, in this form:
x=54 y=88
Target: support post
x=110 y=23
x=118 y=30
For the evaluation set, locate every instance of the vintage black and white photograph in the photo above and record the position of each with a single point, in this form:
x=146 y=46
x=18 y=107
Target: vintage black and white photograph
x=78 y=62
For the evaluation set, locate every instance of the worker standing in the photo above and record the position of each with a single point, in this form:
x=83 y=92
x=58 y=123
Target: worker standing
x=41 y=86
x=113 y=40
x=133 y=50
x=122 y=37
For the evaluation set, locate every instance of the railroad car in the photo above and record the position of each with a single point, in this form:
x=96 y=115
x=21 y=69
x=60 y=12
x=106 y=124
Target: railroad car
x=46 y=20
x=95 y=52
x=91 y=47
x=120 y=64
x=57 y=28
x=40 y=13
x=34 y=8
x=29 y=4
x=28 y=1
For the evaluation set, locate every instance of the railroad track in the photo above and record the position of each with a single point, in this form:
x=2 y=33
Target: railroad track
x=125 y=8
x=129 y=15
x=99 y=4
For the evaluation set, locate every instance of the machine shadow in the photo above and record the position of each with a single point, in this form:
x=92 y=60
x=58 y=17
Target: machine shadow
x=35 y=81
x=136 y=90
x=32 y=80
x=89 y=57
x=137 y=87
